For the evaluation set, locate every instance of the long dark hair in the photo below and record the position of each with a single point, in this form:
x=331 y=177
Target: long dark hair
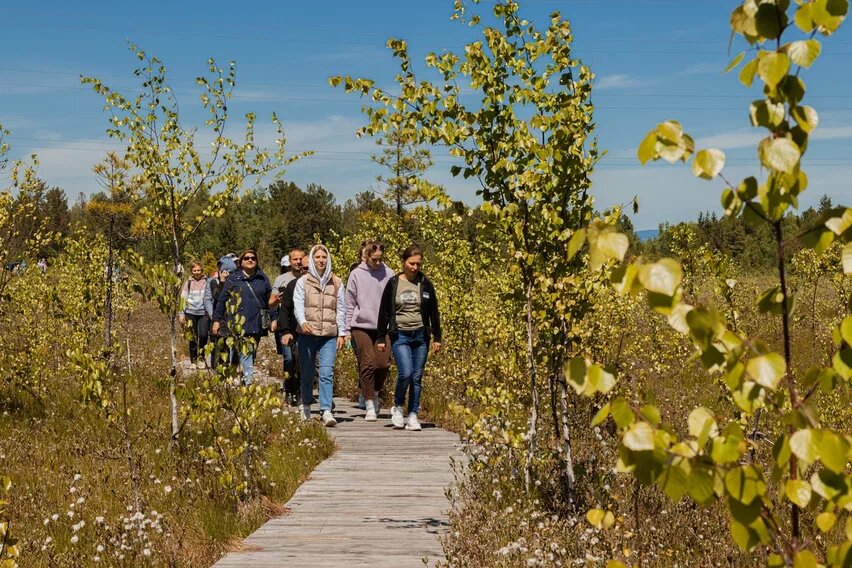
x=411 y=250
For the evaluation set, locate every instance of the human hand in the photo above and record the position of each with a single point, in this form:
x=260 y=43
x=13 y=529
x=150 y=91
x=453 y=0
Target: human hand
x=273 y=325
x=215 y=328
x=436 y=346
x=286 y=338
x=307 y=328
x=182 y=318
x=380 y=347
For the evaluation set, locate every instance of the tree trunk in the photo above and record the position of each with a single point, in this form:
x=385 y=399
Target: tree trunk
x=532 y=431
x=173 y=381
x=565 y=442
x=788 y=360
x=553 y=380
x=108 y=300
x=127 y=344
x=128 y=444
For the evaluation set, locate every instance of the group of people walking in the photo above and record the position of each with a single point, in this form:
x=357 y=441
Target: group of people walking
x=312 y=315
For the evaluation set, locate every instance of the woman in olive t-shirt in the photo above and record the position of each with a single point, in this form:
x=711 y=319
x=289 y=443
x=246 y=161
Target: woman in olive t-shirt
x=409 y=315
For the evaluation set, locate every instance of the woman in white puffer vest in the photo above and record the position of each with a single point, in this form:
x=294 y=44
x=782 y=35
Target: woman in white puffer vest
x=318 y=304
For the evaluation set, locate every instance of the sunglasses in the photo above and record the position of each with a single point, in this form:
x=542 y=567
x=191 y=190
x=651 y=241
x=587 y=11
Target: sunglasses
x=249 y=258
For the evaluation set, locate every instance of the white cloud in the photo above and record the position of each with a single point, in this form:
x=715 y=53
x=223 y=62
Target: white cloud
x=832 y=133
x=670 y=193
x=703 y=68
x=749 y=137
x=69 y=164
x=740 y=138
x=617 y=81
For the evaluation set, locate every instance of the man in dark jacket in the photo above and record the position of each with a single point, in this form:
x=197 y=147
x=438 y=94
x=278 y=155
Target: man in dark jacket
x=252 y=287
x=287 y=326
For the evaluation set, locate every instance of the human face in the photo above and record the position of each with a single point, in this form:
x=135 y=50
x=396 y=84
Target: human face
x=375 y=258
x=297 y=259
x=320 y=260
x=197 y=272
x=248 y=262
x=412 y=266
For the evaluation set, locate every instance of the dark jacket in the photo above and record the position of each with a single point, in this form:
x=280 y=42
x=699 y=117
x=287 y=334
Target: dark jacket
x=428 y=308
x=216 y=286
x=286 y=314
x=238 y=284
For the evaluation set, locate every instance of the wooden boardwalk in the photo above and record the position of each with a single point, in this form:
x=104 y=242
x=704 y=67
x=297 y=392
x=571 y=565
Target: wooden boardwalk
x=378 y=501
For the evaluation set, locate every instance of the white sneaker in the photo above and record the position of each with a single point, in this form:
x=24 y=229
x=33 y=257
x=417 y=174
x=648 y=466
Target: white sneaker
x=305 y=411
x=371 y=412
x=361 y=404
x=413 y=423
x=397 y=417
x=328 y=419
x=377 y=402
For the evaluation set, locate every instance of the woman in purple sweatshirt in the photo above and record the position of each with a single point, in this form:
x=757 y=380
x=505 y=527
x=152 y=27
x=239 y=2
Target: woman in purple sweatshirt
x=363 y=297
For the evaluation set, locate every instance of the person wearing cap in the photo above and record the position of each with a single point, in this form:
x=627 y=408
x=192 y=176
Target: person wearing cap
x=224 y=267
x=251 y=285
x=291 y=268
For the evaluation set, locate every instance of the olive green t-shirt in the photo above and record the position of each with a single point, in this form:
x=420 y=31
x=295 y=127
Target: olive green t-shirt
x=408 y=316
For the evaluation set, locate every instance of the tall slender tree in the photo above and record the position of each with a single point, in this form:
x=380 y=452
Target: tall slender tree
x=527 y=141
x=173 y=171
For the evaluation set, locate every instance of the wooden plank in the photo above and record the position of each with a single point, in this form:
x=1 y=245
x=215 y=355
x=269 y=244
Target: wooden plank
x=378 y=501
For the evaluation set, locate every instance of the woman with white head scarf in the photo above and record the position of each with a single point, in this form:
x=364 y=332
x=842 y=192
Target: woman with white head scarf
x=318 y=304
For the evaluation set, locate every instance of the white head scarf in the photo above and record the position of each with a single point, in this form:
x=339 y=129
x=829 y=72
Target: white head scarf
x=324 y=278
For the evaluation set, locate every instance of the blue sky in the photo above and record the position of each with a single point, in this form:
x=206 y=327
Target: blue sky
x=654 y=59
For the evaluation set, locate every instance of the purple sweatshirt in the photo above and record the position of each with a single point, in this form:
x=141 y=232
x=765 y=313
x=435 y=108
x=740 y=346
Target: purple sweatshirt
x=364 y=295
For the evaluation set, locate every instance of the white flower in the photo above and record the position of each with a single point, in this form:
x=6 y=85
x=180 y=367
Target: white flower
x=167 y=489
x=46 y=521
x=70 y=514
x=99 y=520
x=75 y=539
x=100 y=548
x=48 y=540
x=96 y=558
x=81 y=500
x=72 y=489
x=146 y=552
x=54 y=516
x=77 y=477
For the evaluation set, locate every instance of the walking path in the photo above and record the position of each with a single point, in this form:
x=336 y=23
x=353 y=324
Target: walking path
x=378 y=501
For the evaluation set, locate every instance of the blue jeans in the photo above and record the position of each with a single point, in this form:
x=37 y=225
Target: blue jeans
x=309 y=347
x=247 y=361
x=410 y=350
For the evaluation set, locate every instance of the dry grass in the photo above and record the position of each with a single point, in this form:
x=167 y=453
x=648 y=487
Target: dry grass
x=494 y=522
x=69 y=462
